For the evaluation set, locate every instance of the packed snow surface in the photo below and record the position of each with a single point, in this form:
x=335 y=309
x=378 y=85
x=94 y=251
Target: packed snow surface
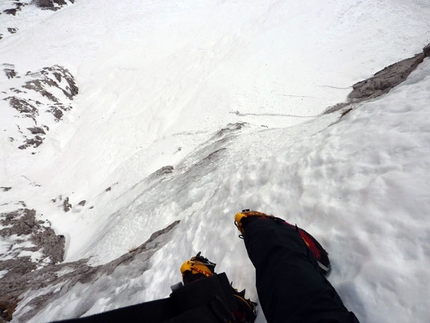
x=158 y=80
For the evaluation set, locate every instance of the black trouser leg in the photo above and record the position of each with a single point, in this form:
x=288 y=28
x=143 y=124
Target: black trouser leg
x=289 y=285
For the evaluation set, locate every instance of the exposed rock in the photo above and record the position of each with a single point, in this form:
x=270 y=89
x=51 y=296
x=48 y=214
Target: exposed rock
x=36 y=85
x=229 y=129
x=383 y=81
x=56 y=112
x=23 y=274
x=18 y=266
x=14 y=7
x=82 y=203
x=37 y=130
x=54 y=87
x=52 y=4
x=164 y=170
x=10 y=73
x=53 y=245
x=5 y=189
x=32 y=142
x=22 y=233
x=426 y=50
x=345 y=112
x=66 y=205
x=23 y=223
x=47 y=3
x=7 y=307
x=13 y=11
x=23 y=107
x=53 y=77
x=337 y=107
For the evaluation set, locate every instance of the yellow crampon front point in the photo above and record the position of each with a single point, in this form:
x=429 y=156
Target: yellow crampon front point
x=244 y=214
x=198 y=265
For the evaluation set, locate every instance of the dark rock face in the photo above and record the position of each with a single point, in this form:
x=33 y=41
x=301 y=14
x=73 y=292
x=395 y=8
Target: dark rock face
x=55 y=89
x=66 y=205
x=383 y=81
x=52 y=4
x=23 y=106
x=426 y=51
x=82 y=203
x=23 y=223
x=10 y=72
x=25 y=273
x=21 y=235
x=164 y=170
x=18 y=7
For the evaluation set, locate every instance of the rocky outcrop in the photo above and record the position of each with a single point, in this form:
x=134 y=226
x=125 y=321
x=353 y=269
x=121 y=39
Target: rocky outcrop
x=22 y=228
x=48 y=91
x=52 y=4
x=49 y=278
x=15 y=8
x=30 y=244
x=18 y=7
x=383 y=81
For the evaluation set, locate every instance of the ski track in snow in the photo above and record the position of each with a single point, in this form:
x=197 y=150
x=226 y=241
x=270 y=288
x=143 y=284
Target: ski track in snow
x=157 y=81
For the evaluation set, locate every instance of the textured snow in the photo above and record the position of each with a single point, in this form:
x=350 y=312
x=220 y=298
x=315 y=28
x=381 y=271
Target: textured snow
x=158 y=80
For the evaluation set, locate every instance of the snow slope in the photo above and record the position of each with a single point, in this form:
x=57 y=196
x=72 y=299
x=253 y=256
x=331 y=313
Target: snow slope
x=158 y=81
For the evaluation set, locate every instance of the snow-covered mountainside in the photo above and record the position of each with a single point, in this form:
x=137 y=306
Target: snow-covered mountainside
x=132 y=131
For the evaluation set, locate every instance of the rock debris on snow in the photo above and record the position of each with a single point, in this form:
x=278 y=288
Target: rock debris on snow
x=48 y=91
